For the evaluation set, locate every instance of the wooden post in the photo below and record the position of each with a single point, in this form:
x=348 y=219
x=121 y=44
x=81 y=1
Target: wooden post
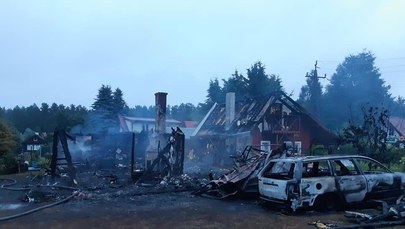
x=132 y=155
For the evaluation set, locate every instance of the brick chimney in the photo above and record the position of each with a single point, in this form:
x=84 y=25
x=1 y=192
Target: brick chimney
x=230 y=109
x=160 y=102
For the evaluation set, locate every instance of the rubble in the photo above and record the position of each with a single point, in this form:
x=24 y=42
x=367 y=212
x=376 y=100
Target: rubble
x=241 y=179
x=123 y=181
x=391 y=215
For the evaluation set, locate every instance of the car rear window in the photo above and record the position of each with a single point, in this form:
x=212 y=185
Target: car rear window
x=281 y=170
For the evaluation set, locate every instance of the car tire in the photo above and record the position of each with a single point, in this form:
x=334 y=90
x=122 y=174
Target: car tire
x=328 y=202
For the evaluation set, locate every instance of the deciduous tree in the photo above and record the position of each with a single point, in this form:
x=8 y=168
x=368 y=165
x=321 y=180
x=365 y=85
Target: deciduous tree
x=356 y=83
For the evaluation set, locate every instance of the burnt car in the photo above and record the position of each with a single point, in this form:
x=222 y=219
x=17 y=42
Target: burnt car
x=328 y=182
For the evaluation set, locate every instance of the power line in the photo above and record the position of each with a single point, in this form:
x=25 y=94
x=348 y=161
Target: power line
x=392 y=71
x=391 y=58
x=392 y=66
x=377 y=58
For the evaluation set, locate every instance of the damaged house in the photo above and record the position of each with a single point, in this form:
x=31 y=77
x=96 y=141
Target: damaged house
x=396 y=131
x=268 y=122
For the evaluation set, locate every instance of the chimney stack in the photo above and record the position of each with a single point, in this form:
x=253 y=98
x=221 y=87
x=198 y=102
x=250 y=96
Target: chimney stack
x=160 y=103
x=230 y=109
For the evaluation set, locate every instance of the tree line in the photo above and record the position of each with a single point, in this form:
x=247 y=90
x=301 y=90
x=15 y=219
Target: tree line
x=355 y=86
x=103 y=113
x=357 y=79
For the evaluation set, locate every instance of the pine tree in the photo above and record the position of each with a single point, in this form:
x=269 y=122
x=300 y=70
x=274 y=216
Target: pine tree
x=237 y=83
x=104 y=101
x=215 y=94
x=259 y=83
x=120 y=106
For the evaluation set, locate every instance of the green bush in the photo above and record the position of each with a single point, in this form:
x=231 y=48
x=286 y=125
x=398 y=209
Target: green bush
x=347 y=149
x=397 y=167
x=319 y=150
x=8 y=145
x=8 y=164
x=44 y=162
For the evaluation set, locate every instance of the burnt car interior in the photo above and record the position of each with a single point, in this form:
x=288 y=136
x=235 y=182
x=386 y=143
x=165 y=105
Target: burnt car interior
x=315 y=169
x=344 y=167
x=280 y=170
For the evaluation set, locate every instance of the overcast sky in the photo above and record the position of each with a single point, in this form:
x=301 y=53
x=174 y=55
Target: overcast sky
x=63 y=51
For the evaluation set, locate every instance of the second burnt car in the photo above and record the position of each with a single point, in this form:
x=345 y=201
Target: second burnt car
x=326 y=182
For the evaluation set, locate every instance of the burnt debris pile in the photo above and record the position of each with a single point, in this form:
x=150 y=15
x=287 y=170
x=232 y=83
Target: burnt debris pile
x=241 y=179
x=385 y=215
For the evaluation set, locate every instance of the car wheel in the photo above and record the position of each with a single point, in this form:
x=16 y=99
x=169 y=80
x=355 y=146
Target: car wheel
x=328 y=202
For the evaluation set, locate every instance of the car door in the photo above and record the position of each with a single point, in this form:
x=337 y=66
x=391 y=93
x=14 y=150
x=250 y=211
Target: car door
x=381 y=182
x=316 y=180
x=351 y=183
x=274 y=178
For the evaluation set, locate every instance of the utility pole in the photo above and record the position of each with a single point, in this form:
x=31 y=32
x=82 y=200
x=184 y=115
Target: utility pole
x=316 y=72
x=315 y=95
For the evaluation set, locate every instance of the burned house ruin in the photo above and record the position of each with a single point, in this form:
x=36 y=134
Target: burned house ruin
x=267 y=122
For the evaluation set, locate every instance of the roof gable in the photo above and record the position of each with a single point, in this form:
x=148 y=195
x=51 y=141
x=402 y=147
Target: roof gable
x=35 y=140
x=398 y=123
x=251 y=112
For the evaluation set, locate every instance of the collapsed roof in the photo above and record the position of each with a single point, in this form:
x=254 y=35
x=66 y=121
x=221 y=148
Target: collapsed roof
x=251 y=112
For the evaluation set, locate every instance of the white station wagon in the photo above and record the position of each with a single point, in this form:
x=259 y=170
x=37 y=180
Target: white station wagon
x=326 y=182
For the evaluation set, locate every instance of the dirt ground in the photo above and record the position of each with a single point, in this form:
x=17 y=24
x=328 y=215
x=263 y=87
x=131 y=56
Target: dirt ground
x=121 y=207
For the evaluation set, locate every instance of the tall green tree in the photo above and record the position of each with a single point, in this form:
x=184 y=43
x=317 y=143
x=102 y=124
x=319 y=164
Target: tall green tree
x=119 y=104
x=256 y=83
x=8 y=145
x=45 y=118
x=397 y=107
x=104 y=101
x=184 y=112
x=259 y=83
x=311 y=94
x=356 y=83
x=215 y=94
x=142 y=111
x=236 y=83
x=106 y=107
x=8 y=138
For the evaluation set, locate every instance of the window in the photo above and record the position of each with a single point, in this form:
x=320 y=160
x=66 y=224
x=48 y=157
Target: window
x=280 y=170
x=289 y=145
x=315 y=169
x=265 y=146
x=371 y=167
x=297 y=147
x=344 y=167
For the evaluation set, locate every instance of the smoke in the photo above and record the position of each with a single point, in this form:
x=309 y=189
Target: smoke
x=98 y=139
x=80 y=149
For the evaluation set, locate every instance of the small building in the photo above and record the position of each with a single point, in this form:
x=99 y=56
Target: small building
x=33 y=143
x=137 y=124
x=33 y=146
x=267 y=122
x=396 y=131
